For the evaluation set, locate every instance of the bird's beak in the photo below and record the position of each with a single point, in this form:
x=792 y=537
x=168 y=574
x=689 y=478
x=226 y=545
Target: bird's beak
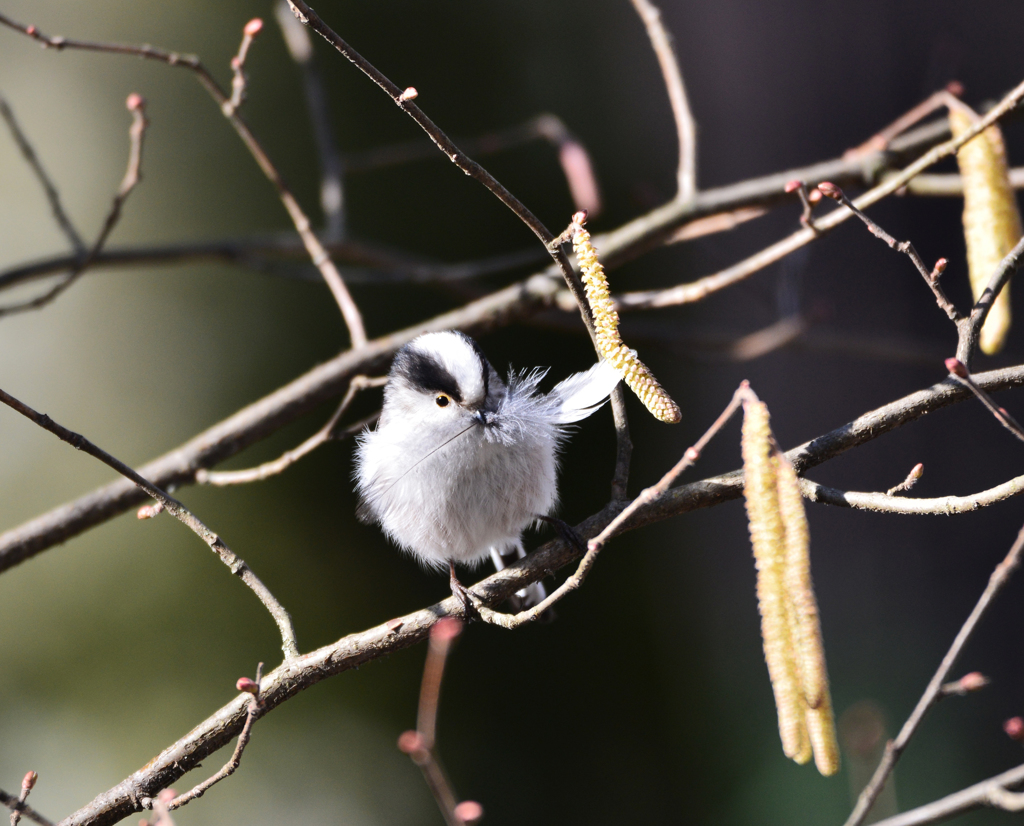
x=481 y=416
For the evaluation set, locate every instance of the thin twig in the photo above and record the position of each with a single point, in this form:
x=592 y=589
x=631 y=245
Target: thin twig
x=27 y=782
x=390 y=267
x=893 y=750
x=911 y=479
x=686 y=130
x=575 y=580
x=136 y=132
x=958 y=372
x=881 y=140
x=235 y=564
x=636 y=234
x=317 y=253
x=239 y=81
x=888 y=503
x=930 y=276
x=986 y=793
x=63 y=221
x=421 y=744
x=332 y=186
x=13 y=803
x=252 y=688
x=971 y=329
x=326 y=433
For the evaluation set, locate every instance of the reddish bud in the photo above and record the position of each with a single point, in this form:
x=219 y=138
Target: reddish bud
x=814 y=196
x=394 y=624
x=917 y=471
x=410 y=742
x=28 y=781
x=692 y=454
x=149 y=511
x=1014 y=728
x=236 y=64
x=446 y=629
x=956 y=367
x=580 y=217
x=830 y=191
x=31 y=31
x=409 y=94
x=940 y=267
x=253 y=27
x=469 y=812
x=793 y=185
x=248 y=686
x=973 y=681
x=955 y=88
x=135 y=102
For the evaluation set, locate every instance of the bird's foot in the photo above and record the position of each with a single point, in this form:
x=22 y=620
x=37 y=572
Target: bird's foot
x=462 y=593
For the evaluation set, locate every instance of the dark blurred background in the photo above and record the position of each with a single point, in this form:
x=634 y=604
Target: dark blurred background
x=648 y=699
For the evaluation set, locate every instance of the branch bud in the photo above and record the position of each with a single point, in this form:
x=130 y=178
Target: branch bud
x=830 y=190
x=135 y=102
x=248 y=686
x=253 y=27
x=957 y=368
x=28 y=781
x=469 y=812
x=409 y=94
x=1014 y=728
x=793 y=185
x=410 y=742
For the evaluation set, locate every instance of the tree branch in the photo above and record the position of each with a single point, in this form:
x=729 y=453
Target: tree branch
x=235 y=564
x=61 y=217
x=933 y=692
x=886 y=503
x=686 y=128
x=316 y=251
x=136 y=133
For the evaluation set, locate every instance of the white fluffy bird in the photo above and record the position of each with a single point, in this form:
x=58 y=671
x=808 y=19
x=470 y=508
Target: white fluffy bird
x=461 y=463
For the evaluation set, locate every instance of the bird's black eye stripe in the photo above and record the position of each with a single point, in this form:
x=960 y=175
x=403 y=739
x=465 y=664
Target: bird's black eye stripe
x=424 y=373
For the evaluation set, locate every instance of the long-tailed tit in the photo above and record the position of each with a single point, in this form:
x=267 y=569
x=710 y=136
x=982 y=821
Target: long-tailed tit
x=461 y=462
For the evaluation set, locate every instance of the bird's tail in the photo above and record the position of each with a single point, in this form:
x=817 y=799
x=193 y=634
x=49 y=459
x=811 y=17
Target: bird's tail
x=533 y=593
x=582 y=393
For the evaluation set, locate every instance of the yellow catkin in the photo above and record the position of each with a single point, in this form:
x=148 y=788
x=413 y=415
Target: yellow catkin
x=767 y=535
x=606 y=322
x=992 y=224
x=805 y=626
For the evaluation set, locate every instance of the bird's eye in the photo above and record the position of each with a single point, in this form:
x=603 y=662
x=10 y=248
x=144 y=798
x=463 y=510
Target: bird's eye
x=443 y=399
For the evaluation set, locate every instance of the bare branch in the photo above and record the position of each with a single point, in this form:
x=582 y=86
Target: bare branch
x=986 y=793
x=970 y=331
x=316 y=251
x=686 y=129
x=252 y=688
x=15 y=805
x=235 y=564
x=63 y=221
x=932 y=694
x=332 y=187
x=930 y=276
x=887 y=503
x=421 y=744
x=324 y=434
x=697 y=290
x=136 y=132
